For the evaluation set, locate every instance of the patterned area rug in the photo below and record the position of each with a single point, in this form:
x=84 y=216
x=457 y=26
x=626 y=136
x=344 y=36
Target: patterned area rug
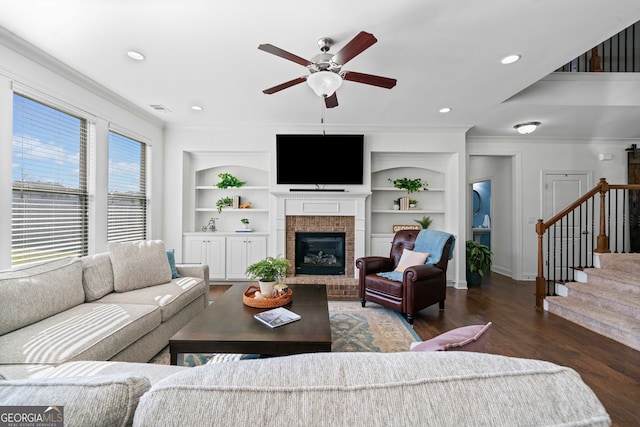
x=353 y=328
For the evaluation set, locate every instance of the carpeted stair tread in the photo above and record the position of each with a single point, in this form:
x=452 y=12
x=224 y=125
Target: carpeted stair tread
x=629 y=263
x=605 y=297
x=626 y=282
x=620 y=328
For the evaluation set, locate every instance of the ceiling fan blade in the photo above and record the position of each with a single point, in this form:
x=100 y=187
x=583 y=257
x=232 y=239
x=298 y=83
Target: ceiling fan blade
x=284 y=54
x=369 y=79
x=284 y=85
x=356 y=46
x=331 y=101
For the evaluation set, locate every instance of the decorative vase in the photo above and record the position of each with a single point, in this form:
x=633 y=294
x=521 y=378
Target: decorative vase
x=266 y=288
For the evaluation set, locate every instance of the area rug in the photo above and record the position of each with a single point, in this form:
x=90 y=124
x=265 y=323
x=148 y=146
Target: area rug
x=353 y=328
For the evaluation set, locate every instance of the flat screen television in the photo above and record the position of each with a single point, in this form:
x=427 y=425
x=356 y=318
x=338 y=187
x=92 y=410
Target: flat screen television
x=320 y=159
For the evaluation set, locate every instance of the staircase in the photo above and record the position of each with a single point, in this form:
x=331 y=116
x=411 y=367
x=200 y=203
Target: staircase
x=605 y=300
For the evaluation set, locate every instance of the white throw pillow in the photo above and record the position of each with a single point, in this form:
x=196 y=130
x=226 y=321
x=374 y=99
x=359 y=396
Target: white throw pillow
x=139 y=264
x=411 y=258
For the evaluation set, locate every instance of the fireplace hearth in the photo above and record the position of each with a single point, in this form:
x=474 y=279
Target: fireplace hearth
x=320 y=253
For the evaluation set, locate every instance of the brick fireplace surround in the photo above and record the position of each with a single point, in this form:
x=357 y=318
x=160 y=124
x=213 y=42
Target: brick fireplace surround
x=308 y=212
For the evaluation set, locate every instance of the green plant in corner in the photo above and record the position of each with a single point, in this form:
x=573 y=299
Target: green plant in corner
x=228 y=181
x=478 y=257
x=410 y=185
x=222 y=202
x=269 y=269
x=425 y=222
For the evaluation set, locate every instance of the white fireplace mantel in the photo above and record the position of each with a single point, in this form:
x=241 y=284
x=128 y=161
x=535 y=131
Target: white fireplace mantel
x=318 y=203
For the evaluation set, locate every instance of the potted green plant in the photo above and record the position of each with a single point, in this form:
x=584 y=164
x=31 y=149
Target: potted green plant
x=409 y=185
x=228 y=181
x=478 y=261
x=267 y=272
x=425 y=222
x=223 y=202
x=245 y=222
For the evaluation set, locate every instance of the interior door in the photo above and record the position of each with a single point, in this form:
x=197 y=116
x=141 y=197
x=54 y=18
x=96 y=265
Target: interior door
x=560 y=190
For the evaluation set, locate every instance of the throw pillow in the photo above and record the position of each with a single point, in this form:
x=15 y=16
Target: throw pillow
x=410 y=258
x=172 y=263
x=97 y=276
x=139 y=264
x=466 y=338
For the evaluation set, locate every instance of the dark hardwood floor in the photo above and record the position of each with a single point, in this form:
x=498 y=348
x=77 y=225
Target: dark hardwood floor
x=611 y=369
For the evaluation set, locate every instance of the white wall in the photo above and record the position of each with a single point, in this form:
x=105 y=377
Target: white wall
x=33 y=72
x=534 y=156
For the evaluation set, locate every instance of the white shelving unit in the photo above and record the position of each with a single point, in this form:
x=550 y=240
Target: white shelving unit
x=431 y=202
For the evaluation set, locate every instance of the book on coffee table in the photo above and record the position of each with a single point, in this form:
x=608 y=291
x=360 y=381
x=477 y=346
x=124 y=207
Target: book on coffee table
x=277 y=317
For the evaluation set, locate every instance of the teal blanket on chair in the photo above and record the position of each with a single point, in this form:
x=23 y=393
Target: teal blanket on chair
x=431 y=241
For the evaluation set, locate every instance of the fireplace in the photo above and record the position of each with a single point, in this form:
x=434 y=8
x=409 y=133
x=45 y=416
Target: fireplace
x=320 y=253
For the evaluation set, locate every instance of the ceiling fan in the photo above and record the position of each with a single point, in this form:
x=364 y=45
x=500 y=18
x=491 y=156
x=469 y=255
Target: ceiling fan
x=326 y=68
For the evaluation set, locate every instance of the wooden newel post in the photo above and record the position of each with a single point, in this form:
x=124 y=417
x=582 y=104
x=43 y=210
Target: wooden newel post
x=540 y=280
x=602 y=245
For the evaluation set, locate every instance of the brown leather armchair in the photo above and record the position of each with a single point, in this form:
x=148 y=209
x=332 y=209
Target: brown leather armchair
x=421 y=286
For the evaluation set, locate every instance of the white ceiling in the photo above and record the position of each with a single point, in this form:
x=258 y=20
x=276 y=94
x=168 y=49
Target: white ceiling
x=442 y=52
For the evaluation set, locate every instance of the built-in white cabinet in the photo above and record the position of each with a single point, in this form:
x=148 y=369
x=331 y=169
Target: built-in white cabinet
x=207 y=249
x=227 y=255
x=243 y=251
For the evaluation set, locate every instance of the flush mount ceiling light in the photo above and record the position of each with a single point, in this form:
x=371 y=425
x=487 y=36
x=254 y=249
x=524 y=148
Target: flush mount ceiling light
x=324 y=83
x=135 y=55
x=510 y=59
x=525 y=128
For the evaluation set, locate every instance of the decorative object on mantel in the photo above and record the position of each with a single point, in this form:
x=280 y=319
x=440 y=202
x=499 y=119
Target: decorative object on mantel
x=399 y=227
x=425 y=222
x=224 y=202
x=229 y=181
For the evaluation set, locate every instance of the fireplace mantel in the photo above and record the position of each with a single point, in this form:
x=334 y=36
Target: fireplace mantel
x=318 y=203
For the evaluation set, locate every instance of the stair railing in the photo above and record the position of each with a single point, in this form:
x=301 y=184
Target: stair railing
x=571 y=242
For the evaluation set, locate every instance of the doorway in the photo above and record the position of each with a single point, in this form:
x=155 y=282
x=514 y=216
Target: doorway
x=481 y=212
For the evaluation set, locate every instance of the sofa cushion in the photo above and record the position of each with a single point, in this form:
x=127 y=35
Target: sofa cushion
x=97 y=276
x=104 y=400
x=170 y=297
x=139 y=264
x=33 y=293
x=384 y=389
x=171 y=256
x=89 y=331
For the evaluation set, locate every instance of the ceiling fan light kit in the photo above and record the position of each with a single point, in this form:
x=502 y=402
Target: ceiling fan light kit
x=525 y=128
x=324 y=83
x=325 y=68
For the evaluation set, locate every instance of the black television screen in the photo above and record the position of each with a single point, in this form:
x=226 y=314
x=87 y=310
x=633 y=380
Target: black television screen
x=319 y=159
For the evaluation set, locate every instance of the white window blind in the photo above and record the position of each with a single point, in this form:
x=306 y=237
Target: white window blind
x=127 y=211
x=49 y=209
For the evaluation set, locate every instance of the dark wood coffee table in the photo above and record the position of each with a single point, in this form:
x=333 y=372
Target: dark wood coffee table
x=228 y=326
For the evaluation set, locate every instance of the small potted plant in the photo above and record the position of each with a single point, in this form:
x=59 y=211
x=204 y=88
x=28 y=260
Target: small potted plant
x=425 y=222
x=223 y=202
x=228 y=181
x=245 y=222
x=413 y=203
x=267 y=272
x=478 y=261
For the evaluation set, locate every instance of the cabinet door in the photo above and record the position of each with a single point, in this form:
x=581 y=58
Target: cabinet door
x=215 y=257
x=194 y=250
x=236 y=257
x=256 y=249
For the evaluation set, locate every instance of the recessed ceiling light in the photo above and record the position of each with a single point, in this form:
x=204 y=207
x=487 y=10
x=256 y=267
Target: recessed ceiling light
x=196 y=108
x=510 y=59
x=135 y=55
x=445 y=110
x=525 y=128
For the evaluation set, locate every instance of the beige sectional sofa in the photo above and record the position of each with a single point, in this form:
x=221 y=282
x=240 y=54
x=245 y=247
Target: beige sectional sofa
x=122 y=305
x=452 y=388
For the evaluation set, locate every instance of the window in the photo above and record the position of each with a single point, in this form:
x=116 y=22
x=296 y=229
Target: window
x=49 y=210
x=127 y=211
